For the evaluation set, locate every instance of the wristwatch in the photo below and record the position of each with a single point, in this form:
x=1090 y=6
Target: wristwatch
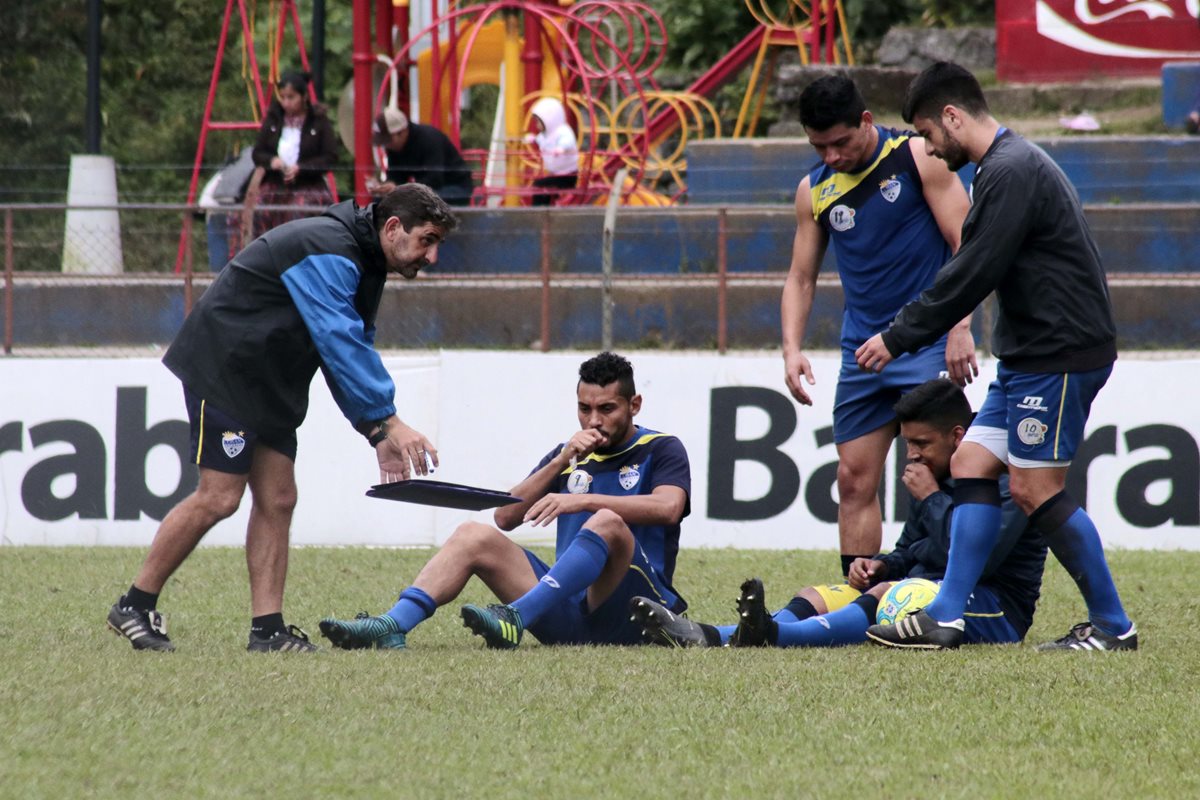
x=379 y=435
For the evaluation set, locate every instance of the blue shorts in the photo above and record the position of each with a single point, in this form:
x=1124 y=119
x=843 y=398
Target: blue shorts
x=864 y=400
x=985 y=621
x=221 y=443
x=570 y=622
x=1032 y=419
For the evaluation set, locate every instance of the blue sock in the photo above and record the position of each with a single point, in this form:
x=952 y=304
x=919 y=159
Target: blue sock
x=726 y=632
x=974 y=529
x=796 y=610
x=847 y=625
x=579 y=567
x=1072 y=537
x=413 y=608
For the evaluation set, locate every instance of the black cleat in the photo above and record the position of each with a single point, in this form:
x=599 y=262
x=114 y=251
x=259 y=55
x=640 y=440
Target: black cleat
x=919 y=631
x=293 y=640
x=1084 y=637
x=661 y=626
x=145 y=629
x=755 y=625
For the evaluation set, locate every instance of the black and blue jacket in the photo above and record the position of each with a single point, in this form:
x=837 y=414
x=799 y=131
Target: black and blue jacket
x=300 y=297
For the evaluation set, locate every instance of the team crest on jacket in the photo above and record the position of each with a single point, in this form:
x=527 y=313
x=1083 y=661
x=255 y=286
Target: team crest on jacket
x=841 y=217
x=628 y=476
x=890 y=189
x=233 y=443
x=579 y=482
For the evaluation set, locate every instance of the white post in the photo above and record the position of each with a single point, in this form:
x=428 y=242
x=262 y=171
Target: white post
x=606 y=262
x=92 y=239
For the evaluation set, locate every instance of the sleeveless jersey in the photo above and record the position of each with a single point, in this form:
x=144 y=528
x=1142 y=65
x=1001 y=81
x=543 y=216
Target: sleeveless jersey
x=886 y=240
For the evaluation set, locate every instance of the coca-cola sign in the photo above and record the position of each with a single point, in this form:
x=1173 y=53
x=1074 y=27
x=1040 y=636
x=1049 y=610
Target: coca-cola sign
x=1077 y=39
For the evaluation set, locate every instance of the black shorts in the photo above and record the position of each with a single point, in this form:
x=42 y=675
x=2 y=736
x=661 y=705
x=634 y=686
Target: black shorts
x=222 y=443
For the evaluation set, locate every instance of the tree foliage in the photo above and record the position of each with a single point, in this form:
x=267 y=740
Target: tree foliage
x=158 y=60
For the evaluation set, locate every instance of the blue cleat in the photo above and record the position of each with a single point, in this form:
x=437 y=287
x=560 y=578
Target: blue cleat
x=364 y=632
x=499 y=625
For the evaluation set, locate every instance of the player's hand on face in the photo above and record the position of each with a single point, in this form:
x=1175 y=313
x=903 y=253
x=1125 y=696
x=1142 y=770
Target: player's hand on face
x=584 y=443
x=404 y=452
x=873 y=356
x=795 y=367
x=919 y=481
x=862 y=573
x=548 y=508
x=960 y=356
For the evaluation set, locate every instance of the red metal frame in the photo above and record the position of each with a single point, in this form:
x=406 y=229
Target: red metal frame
x=287 y=12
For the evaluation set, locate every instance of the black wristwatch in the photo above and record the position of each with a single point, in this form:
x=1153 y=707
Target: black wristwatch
x=378 y=436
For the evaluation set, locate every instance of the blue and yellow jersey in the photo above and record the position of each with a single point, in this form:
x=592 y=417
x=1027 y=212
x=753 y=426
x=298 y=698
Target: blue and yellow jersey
x=886 y=240
x=647 y=460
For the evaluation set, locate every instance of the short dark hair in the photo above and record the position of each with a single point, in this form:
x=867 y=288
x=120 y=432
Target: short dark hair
x=603 y=369
x=939 y=85
x=938 y=402
x=414 y=204
x=830 y=100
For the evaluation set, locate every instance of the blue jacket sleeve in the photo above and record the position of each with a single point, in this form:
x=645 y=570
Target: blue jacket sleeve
x=323 y=288
x=925 y=540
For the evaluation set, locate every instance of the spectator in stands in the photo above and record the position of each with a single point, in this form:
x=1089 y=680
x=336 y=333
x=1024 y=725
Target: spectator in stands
x=556 y=142
x=421 y=154
x=295 y=149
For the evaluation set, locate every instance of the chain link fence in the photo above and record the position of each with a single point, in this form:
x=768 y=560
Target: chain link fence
x=119 y=280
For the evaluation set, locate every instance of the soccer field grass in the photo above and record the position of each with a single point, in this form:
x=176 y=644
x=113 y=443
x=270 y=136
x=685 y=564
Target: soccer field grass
x=83 y=715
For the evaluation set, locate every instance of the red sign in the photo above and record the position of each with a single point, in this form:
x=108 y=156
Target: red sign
x=1064 y=40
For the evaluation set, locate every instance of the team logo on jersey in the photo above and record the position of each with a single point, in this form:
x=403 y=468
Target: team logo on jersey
x=579 y=482
x=1032 y=431
x=841 y=218
x=890 y=189
x=1032 y=403
x=628 y=476
x=233 y=443
x=828 y=192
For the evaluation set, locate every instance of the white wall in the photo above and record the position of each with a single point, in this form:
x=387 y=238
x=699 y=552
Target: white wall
x=493 y=415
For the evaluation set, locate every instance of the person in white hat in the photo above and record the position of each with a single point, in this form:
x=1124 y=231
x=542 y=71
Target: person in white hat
x=418 y=153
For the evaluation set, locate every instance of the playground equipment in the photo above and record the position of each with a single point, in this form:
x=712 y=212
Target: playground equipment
x=597 y=56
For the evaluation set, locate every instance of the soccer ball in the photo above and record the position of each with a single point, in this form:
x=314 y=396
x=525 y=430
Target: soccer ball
x=904 y=598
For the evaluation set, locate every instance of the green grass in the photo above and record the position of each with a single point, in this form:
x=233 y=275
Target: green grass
x=83 y=715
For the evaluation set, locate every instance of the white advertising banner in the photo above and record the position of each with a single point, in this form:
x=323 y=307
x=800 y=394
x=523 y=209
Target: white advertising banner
x=94 y=451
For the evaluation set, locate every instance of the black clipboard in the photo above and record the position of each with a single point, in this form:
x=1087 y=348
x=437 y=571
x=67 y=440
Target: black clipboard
x=442 y=494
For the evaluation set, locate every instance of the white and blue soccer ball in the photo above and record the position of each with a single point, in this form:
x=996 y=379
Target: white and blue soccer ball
x=905 y=597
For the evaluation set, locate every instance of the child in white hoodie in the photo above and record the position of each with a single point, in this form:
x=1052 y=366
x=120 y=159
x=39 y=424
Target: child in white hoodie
x=560 y=153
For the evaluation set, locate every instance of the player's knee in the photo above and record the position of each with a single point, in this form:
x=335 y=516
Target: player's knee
x=609 y=526
x=879 y=590
x=1028 y=494
x=855 y=484
x=219 y=503
x=473 y=537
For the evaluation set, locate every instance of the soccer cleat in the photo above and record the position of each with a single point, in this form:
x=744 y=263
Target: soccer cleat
x=660 y=626
x=364 y=632
x=292 y=640
x=499 y=625
x=919 y=631
x=754 y=623
x=1085 y=637
x=145 y=629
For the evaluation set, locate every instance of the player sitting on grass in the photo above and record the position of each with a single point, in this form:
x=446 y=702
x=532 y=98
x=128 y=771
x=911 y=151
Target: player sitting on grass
x=933 y=418
x=618 y=492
